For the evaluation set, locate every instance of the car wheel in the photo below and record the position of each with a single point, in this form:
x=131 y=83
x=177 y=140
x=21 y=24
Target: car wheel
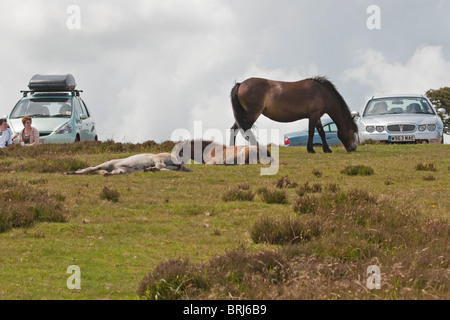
x=77 y=138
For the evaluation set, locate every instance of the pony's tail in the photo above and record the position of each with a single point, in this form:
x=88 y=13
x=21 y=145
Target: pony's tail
x=238 y=110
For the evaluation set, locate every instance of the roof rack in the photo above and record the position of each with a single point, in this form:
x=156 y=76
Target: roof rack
x=73 y=92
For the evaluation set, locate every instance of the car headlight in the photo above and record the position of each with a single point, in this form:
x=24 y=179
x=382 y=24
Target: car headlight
x=370 y=129
x=67 y=128
x=431 y=127
x=380 y=128
x=422 y=127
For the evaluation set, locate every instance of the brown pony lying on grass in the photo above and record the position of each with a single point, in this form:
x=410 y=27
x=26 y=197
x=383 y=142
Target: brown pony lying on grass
x=210 y=152
x=139 y=162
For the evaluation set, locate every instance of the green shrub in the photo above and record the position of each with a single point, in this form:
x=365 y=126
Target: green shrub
x=174 y=279
x=333 y=187
x=23 y=206
x=358 y=170
x=286 y=231
x=425 y=167
x=275 y=196
x=239 y=270
x=241 y=192
x=307 y=188
x=284 y=182
x=305 y=204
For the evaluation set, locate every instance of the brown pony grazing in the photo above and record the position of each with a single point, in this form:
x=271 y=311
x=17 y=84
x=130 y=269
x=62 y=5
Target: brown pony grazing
x=291 y=101
x=139 y=162
x=210 y=152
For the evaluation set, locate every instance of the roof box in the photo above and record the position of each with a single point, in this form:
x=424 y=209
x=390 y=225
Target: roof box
x=44 y=83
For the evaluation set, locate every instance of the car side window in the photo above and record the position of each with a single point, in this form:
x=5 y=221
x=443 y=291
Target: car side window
x=85 y=109
x=78 y=109
x=332 y=127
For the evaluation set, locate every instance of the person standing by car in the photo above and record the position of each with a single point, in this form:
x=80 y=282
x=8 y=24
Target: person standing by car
x=29 y=135
x=5 y=134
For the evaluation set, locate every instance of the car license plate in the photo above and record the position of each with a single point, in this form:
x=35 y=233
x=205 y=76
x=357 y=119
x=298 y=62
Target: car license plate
x=401 y=138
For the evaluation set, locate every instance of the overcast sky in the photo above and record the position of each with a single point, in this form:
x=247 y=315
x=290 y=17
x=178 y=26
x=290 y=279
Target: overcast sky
x=148 y=68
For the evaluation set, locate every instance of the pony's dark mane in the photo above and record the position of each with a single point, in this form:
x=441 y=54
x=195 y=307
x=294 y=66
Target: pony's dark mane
x=330 y=86
x=193 y=143
x=204 y=143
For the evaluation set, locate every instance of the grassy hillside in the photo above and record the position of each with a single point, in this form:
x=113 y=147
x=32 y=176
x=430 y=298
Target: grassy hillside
x=308 y=232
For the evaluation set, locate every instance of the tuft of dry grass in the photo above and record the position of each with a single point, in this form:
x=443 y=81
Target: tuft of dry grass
x=317 y=173
x=109 y=194
x=24 y=205
x=273 y=196
x=285 y=231
x=285 y=182
x=174 y=279
x=425 y=167
x=315 y=188
x=360 y=170
x=428 y=177
x=305 y=204
x=241 y=192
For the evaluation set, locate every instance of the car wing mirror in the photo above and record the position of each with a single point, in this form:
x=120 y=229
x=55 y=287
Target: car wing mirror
x=441 y=111
x=355 y=114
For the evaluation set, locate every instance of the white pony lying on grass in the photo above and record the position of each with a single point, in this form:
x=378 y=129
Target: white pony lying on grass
x=139 y=162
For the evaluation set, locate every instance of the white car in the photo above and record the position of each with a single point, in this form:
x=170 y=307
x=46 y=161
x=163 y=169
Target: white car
x=400 y=119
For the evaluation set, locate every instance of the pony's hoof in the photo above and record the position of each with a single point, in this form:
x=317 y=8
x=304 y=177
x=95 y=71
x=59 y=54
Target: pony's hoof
x=328 y=151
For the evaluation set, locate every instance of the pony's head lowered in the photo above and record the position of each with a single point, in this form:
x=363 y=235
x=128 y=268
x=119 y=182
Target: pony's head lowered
x=348 y=135
x=347 y=128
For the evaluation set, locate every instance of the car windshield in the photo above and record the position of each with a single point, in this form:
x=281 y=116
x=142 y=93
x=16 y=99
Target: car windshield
x=45 y=107
x=398 y=105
